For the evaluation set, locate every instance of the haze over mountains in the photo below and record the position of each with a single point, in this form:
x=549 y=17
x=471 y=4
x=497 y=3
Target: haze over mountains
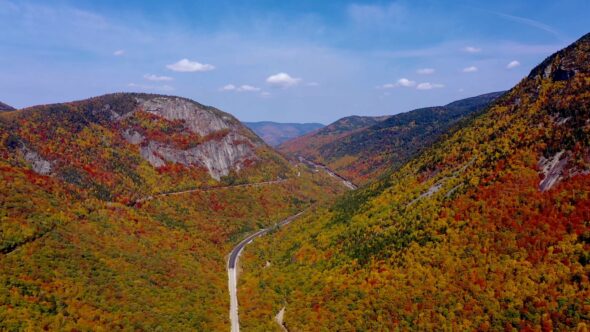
x=274 y=133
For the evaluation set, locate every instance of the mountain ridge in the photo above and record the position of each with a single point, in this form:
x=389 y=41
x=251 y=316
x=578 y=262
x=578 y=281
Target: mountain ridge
x=363 y=153
x=5 y=108
x=183 y=142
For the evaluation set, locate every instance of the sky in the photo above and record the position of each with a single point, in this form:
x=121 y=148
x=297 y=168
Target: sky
x=286 y=61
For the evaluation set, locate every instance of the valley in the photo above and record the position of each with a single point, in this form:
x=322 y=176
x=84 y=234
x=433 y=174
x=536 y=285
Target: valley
x=405 y=166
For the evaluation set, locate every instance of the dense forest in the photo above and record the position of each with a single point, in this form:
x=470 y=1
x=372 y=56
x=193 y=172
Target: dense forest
x=83 y=249
x=486 y=230
x=364 y=148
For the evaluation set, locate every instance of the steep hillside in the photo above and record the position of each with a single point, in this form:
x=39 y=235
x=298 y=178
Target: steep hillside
x=4 y=107
x=124 y=146
x=310 y=144
x=366 y=154
x=487 y=230
x=79 y=252
x=274 y=133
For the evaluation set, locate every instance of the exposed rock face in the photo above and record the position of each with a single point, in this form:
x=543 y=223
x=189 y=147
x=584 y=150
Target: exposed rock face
x=552 y=169
x=198 y=119
x=219 y=155
x=38 y=164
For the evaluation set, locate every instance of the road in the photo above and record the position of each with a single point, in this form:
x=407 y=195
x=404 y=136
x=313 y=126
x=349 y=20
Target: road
x=234 y=256
x=172 y=193
x=330 y=172
x=232 y=264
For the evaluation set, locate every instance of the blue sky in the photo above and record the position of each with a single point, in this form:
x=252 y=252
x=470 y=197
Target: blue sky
x=296 y=61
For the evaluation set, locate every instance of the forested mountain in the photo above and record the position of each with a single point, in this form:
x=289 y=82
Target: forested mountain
x=4 y=107
x=487 y=230
x=122 y=146
x=362 y=155
x=309 y=145
x=275 y=133
x=117 y=212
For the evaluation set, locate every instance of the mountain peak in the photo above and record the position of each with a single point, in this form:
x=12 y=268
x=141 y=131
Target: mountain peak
x=173 y=139
x=5 y=108
x=566 y=63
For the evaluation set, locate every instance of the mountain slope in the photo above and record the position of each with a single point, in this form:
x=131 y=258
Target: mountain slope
x=122 y=146
x=310 y=144
x=486 y=230
x=79 y=251
x=4 y=107
x=365 y=154
x=274 y=133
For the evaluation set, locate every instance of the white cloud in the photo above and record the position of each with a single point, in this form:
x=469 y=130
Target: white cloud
x=471 y=69
x=472 y=49
x=282 y=80
x=151 y=87
x=513 y=64
x=228 y=87
x=402 y=82
x=425 y=71
x=313 y=84
x=119 y=53
x=406 y=82
x=187 y=66
x=429 y=86
x=265 y=94
x=156 y=78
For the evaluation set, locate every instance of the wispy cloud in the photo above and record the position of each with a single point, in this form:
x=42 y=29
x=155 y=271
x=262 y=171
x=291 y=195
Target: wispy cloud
x=470 y=69
x=187 y=66
x=429 y=86
x=425 y=71
x=119 y=53
x=376 y=15
x=156 y=78
x=472 y=49
x=247 y=88
x=241 y=88
x=530 y=22
x=282 y=80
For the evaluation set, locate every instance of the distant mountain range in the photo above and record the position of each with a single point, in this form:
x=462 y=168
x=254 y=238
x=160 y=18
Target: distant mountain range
x=4 y=107
x=362 y=148
x=275 y=133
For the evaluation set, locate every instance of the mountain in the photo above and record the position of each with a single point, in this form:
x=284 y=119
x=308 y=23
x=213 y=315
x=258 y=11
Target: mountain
x=308 y=145
x=487 y=229
x=117 y=212
x=362 y=153
x=4 y=107
x=127 y=145
x=274 y=133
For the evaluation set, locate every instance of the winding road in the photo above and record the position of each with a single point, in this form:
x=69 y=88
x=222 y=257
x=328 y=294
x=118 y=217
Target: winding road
x=232 y=273
x=234 y=256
